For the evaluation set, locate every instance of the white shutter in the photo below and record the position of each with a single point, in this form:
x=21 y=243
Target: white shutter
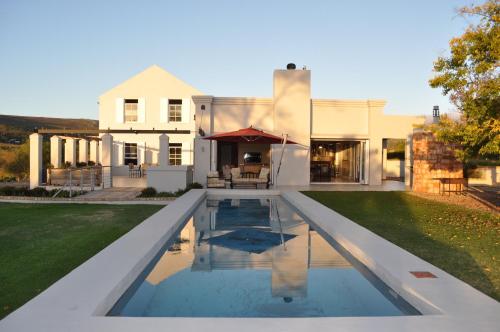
x=119 y=110
x=141 y=110
x=186 y=153
x=163 y=110
x=186 y=110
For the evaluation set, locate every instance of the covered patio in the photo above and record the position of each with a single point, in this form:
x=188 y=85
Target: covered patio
x=90 y=159
x=243 y=158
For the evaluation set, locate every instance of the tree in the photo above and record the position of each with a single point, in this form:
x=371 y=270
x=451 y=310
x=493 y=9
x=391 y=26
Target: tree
x=470 y=76
x=20 y=166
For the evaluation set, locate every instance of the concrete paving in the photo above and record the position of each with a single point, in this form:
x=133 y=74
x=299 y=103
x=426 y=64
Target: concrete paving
x=111 y=194
x=489 y=195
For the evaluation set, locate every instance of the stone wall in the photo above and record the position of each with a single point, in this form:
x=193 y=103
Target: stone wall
x=432 y=160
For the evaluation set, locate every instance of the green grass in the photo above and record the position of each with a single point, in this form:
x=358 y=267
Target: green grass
x=40 y=243
x=463 y=242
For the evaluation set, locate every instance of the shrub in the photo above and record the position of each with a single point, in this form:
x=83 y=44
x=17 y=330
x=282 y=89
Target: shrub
x=7 y=191
x=8 y=179
x=165 y=194
x=38 y=192
x=151 y=192
x=148 y=192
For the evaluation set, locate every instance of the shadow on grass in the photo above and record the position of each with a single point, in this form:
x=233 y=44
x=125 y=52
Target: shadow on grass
x=460 y=241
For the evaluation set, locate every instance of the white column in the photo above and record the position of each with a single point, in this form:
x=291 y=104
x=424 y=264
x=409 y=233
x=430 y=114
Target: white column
x=70 y=151
x=56 y=151
x=94 y=151
x=107 y=150
x=83 y=153
x=36 y=141
x=163 y=155
x=213 y=155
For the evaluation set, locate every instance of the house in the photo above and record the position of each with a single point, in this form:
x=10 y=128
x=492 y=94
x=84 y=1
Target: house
x=158 y=122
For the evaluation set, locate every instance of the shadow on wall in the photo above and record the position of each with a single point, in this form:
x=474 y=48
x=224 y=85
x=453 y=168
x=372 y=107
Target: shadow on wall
x=418 y=225
x=260 y=114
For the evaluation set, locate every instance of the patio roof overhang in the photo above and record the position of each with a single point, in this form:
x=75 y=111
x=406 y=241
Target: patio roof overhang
x=249 y=135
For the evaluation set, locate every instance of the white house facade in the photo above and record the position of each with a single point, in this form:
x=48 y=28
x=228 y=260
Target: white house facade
x=159 y=124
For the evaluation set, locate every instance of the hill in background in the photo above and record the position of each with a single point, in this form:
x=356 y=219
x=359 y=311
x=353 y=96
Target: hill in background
x=14 y=145
x=16 y=129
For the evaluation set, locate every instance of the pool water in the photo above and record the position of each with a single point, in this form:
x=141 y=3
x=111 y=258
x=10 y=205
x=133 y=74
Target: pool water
x=256 y=258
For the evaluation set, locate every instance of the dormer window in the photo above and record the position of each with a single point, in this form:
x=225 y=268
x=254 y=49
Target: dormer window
x=130 y=110
x=175 y=110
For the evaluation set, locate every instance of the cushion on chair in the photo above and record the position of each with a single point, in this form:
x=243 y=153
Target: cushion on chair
x=235 y=173
x=264 y=172
x=213 y=174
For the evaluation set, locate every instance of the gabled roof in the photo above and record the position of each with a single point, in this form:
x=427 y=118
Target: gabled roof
x=158 y=73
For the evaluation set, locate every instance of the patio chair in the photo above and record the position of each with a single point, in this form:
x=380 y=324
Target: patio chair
x=214 y=181
x=260 y=182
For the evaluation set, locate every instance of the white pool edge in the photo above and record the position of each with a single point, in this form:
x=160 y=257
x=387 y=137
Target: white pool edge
x=78 y=301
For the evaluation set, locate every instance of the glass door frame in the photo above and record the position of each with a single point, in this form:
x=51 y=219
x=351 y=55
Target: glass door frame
x=363 y=159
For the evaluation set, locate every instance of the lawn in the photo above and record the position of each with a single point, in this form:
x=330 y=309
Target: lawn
x=459 y=240
x=40 y=243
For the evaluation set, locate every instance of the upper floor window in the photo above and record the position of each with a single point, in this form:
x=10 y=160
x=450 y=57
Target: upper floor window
x=175 y=110
x=130 y=110
x=175 y=154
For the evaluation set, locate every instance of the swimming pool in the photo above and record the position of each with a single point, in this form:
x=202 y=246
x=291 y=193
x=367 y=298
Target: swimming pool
x=255 y=258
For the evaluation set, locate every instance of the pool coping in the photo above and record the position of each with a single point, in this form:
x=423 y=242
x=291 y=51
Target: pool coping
x=79 y=301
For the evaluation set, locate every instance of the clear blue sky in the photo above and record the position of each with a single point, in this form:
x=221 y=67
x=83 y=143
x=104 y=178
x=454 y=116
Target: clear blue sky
x=57 y=57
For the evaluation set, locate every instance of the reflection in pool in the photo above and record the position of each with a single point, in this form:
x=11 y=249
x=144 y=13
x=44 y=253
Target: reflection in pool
x=256 y=258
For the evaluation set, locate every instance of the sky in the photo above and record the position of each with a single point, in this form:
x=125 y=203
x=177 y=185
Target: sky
x=57 y=57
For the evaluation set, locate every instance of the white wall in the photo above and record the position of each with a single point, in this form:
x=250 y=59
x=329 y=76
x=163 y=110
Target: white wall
x=151 y=87
x=169 y=178
x=394 y=168
x=202 y=160
x=485 y=175
x=294 y=167
x=148 y=147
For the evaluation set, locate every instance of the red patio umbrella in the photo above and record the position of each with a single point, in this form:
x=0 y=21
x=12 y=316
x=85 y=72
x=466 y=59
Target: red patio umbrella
x=248 y=135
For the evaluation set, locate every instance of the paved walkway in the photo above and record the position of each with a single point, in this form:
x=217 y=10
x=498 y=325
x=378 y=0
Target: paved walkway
x=489 y=195
x=111 y=194
x=124 y=195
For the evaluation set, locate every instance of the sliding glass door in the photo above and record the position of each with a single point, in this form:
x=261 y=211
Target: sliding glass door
x=338 y=161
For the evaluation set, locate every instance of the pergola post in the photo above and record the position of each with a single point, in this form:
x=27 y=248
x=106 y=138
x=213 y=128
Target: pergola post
x=107 y=150
x=83 y=153
x=163 y=156
x=56 y=151
x=94 y=151
x=36 y=141
x=70 y=151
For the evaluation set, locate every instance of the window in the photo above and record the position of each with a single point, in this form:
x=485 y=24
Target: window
x=130 y=153
x=175 y=154
x=130 y=110
x=174 y=110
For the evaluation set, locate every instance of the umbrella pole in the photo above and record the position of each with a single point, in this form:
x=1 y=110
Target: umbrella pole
x=281 y=158
x=279 y=222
